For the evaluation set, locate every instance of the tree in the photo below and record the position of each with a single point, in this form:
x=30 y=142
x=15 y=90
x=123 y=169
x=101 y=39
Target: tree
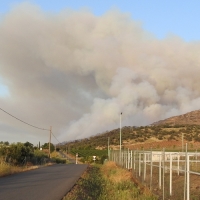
x=28 y=145
x=46 y=146
x=57 y=148
x=18 y=153
x=3 y=151
x=6 y=143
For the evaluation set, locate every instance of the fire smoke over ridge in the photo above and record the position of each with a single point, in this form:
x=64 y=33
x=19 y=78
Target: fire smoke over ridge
x=78 y=72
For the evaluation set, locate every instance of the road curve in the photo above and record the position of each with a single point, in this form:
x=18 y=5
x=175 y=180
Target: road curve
x=46 y=183
x=67 y=157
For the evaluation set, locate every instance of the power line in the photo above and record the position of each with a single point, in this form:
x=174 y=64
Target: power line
x=44 y=129
x=29 y=124
x=55 y=137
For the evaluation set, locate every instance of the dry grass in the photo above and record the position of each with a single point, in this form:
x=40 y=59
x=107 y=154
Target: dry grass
x=110 y=183
x=114 y=173
x=117 y=175
x=55 y=154
x=7 y=169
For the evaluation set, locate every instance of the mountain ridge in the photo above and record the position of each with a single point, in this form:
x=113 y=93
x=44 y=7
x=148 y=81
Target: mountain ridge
x=189 y=118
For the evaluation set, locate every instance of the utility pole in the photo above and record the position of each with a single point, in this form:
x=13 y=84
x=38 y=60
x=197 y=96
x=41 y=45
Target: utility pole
x=120 y=145
x=108 y=148
x=50 y=143
x=120 y=142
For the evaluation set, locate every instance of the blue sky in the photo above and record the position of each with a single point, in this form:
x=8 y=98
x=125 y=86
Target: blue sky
x=161 y=18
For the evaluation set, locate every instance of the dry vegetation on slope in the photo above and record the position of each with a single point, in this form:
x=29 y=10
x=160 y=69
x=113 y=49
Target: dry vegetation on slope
x=189 y=118
x=170 y=134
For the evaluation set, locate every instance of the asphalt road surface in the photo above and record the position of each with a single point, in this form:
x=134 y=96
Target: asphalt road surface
x=67 y=157
x=46 y=183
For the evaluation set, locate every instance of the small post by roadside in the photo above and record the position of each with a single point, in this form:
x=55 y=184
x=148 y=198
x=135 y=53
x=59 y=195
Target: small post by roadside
x=94 y=158
x=76 y=158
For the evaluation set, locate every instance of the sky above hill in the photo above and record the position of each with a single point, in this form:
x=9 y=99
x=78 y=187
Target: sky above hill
x=76 y=65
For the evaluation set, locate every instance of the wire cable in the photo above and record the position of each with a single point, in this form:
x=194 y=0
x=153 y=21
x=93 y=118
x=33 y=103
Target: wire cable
x=44 y=129
x=29 y=124
x=55 y=137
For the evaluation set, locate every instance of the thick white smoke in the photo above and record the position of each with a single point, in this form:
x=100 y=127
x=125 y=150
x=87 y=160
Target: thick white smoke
x=77 y=72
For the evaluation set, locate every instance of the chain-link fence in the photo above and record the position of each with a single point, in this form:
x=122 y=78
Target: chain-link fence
x=169 y=175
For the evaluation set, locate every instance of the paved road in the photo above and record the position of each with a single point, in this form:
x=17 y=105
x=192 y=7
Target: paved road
x=67 y=157
x=46 y=183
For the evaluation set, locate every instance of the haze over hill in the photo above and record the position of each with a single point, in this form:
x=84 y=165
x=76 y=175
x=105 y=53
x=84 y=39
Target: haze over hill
x=192 y=117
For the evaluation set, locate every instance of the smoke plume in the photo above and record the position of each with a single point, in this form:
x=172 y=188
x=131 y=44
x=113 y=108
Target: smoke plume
x=77 y=72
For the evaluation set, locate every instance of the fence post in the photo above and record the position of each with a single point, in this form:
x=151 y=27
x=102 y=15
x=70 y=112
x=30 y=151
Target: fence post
x=121 y=158
x=139 y=163
x=178 y=163
x=170 y=175
x=188 y=177
x=127 y=157
x=132 y=164
x=124 y=159
x=136 y=163
x=144 y=158
x=151 y=170
x=185 y=183
x=163 y=162
x=160 y=171
x=116 y=157
x=143 y=165
x=196 y=159
x=131 y=159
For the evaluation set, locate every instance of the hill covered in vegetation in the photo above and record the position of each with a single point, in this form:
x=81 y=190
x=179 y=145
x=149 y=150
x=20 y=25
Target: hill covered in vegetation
x=156 y=137
x=169 y=133
x=190 y=118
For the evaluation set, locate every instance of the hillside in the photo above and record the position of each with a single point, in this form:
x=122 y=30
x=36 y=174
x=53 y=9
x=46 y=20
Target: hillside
x=188 y=118
x=171 y=133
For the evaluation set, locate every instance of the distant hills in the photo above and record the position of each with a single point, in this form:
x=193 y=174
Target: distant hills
x=171 y=133
x=190 y=118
